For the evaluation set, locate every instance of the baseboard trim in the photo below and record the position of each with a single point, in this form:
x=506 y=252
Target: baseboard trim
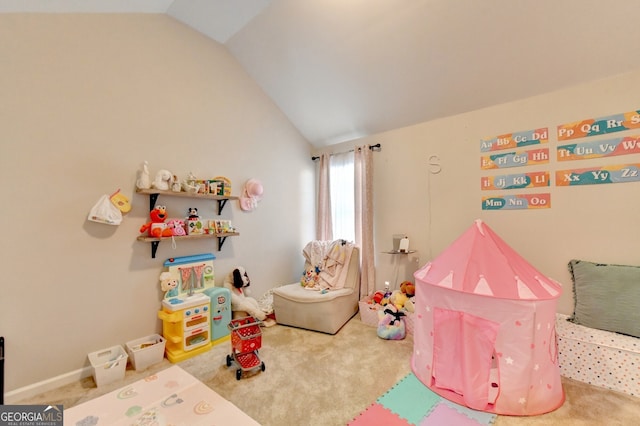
x=34 y=389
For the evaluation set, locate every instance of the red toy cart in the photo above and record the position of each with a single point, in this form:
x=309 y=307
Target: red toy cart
x=246 y=339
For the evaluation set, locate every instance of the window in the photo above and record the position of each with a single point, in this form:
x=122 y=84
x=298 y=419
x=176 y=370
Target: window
x=341 y=177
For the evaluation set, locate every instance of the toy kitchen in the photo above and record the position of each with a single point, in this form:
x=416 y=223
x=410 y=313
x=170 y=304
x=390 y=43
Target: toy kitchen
x=195 y=313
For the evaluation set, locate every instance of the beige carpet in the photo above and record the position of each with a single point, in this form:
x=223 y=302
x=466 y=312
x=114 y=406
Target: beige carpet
x=317 y=379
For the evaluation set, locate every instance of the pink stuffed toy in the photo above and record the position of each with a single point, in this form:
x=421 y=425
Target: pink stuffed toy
x=177 y=227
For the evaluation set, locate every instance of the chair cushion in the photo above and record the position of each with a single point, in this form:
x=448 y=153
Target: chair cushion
x=295 y=292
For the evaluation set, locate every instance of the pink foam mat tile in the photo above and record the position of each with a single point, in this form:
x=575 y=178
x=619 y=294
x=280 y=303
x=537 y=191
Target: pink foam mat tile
x=377 y=415
x=442 y=414
x=481 y=417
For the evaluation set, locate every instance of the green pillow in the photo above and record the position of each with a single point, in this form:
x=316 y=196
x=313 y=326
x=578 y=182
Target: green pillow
x=607 y=297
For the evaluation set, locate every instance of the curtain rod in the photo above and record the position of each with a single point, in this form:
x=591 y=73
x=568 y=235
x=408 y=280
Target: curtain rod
x=376 y=147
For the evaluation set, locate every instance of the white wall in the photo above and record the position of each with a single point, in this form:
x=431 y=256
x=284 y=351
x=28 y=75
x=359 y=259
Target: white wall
x=593 y=222
x=86 y=99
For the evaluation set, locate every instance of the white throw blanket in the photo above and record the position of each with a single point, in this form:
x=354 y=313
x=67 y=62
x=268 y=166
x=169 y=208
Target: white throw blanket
x=332 y=259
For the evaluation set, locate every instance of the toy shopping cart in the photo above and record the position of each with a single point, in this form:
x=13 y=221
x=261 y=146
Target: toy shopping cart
x=246 y=339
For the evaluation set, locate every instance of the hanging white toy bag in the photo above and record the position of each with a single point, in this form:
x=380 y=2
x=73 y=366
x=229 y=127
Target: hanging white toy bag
x=104 y=211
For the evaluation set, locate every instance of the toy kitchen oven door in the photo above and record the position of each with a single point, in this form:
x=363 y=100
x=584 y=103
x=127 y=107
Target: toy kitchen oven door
x=220 y=313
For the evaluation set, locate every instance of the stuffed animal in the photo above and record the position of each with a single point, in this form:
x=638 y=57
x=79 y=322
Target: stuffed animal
x=177 y=227
x=168 y=284
x=163 y=180
x=385 y=299
x=194 y=224
x=157 y=228
x=193 y=213
x=242 y=304
x=143 y=181
x=409 y=306
x=391 y=325
x=408 y=288
x=398 y=299
x=310 y=277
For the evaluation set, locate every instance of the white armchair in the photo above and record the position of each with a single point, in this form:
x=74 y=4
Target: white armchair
x=324 y=311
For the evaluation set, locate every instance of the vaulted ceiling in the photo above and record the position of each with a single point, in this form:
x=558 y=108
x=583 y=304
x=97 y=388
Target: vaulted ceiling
x=342 y=69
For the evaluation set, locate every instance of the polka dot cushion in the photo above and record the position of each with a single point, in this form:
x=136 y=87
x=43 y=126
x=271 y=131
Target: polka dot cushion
x=597 y=357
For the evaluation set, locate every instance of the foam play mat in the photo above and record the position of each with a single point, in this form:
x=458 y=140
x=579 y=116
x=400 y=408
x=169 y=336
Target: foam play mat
x=409 y=402
x=171 y=396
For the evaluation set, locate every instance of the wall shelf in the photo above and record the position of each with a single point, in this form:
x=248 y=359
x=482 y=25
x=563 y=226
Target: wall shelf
x=153 y=198
x=154 y=193
x=396 y=263
x=155 y=241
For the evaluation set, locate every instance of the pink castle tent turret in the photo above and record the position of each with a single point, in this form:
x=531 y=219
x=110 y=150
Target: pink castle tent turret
x=485 y=328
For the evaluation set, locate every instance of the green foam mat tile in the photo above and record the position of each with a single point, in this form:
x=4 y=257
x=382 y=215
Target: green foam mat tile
x=402 y=399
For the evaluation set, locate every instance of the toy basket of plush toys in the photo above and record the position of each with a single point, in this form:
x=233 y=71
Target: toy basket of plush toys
x=388 y=310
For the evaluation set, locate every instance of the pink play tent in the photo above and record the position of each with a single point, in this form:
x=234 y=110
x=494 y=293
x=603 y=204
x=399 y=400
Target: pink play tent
x=485 y=328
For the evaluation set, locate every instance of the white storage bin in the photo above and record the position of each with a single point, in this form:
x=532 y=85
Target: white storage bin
x=146 y=351
x=108 y=365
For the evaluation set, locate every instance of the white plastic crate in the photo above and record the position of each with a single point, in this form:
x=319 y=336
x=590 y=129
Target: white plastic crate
x=108 y=365
x=146 y=351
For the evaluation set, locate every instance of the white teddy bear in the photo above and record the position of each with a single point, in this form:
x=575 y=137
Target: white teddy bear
x=163 y=180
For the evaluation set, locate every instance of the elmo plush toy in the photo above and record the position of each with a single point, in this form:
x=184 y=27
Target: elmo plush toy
x=157 y=228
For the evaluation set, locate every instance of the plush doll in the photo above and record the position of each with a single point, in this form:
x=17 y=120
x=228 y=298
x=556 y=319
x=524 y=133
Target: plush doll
x=157 y=228
x=177 y=227
x=193 y=213
x=194 y=224
x=398 y=299
x=310 y=278
x=408 y=288
x=242 y=304
x=409 y=306
x=168 y=284
x=163 y=180
x=143 y=181
x=391 y=324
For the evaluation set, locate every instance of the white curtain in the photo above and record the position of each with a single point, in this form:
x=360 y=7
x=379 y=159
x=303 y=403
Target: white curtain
x=363 y=171
x=342 y=196
x=324 y=227
x=358 y=168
